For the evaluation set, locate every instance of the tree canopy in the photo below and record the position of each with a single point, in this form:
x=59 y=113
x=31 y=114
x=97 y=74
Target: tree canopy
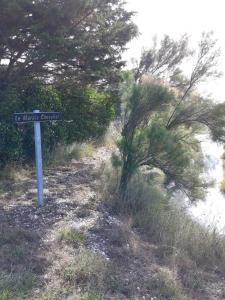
x=62 y=55
x=57 y=40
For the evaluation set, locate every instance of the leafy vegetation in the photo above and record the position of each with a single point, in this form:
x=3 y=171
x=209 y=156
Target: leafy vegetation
x=67 y=59
x=66 y=56
x=163 y=114
x=76 y=41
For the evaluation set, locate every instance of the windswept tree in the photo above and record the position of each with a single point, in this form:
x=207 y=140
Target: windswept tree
x=163 y=113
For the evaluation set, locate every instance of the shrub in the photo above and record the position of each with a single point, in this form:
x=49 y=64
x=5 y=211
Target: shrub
x=17 y=144
x=89 y=113
x=85 y=114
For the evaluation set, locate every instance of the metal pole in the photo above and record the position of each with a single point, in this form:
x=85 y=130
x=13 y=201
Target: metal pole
x=38 y=159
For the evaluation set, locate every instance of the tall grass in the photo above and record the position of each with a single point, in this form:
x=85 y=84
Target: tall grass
x=166 y=223
x=64 y=154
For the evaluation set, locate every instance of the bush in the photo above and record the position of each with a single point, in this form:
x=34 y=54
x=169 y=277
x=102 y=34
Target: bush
x=16 y=141
x=85 y=114
x=88 y=112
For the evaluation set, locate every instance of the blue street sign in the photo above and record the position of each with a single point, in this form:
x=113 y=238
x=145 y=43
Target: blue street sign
x=37 y=117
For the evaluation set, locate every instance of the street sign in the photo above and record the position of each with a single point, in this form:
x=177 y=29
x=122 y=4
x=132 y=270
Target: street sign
x=36 y=116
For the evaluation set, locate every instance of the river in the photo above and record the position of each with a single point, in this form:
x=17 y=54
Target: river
x=211 y=212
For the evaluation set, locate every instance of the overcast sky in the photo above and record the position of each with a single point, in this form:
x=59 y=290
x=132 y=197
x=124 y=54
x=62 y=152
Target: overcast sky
x=176 y=17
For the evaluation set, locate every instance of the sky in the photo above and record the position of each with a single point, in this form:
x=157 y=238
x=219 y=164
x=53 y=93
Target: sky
x=176 y=17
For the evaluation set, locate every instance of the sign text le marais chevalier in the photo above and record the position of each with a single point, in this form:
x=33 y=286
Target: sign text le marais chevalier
x=36 y=117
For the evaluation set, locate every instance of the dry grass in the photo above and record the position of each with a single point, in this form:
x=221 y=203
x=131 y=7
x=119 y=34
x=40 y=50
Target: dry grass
x=16 y=285
x=16 y=173
x=222 y=186
x=72 y=236
x=64 y=154
x=163 y=285
x=112 y=135
x=88 y=269
x=165 y=223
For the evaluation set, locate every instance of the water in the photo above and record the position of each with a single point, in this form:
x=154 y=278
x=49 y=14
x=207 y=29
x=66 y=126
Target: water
x=211 y=212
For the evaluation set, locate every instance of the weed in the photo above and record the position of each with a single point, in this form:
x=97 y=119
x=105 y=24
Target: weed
x=163 y=285
x=16 y=173
x=17 y=283
x=18 y=252
x=64 y=154
x=5 y=294
x=222 y=186
x=87 y=269
x=72 y=236
x=91 y=296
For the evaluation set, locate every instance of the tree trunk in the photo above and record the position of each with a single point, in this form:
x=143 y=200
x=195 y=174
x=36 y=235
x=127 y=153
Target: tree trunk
x=124 y=180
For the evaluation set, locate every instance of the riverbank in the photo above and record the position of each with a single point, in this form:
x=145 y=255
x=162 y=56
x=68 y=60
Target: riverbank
x=75 y=247
x=211 y=211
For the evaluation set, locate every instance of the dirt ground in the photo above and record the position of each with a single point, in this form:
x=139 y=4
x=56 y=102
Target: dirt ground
x=38 y=254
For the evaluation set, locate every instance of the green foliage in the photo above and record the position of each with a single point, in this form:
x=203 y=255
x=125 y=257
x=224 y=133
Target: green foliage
x=162 y=114
x=75 y=40
x=16 y=141
x=4 y=294
x=88 y=269
x=85 y=114
x=72 y=236
x=88 y=112
x=63 y=56
x=16 y=284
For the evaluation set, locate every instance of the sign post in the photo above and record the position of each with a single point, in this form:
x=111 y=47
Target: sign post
x=37 y=117
x=38 y=159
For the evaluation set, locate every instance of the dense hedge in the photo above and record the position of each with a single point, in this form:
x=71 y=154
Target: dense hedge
x=85 y=114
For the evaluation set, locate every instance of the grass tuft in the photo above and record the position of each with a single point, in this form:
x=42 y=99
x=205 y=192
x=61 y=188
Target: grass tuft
x=17 y=283
x=222 y=186
x=164 y=286
x=91 y=296
x=72 y=236
x=64 y=154
x=5 y=294
x=168 y=225
x=87 y=269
